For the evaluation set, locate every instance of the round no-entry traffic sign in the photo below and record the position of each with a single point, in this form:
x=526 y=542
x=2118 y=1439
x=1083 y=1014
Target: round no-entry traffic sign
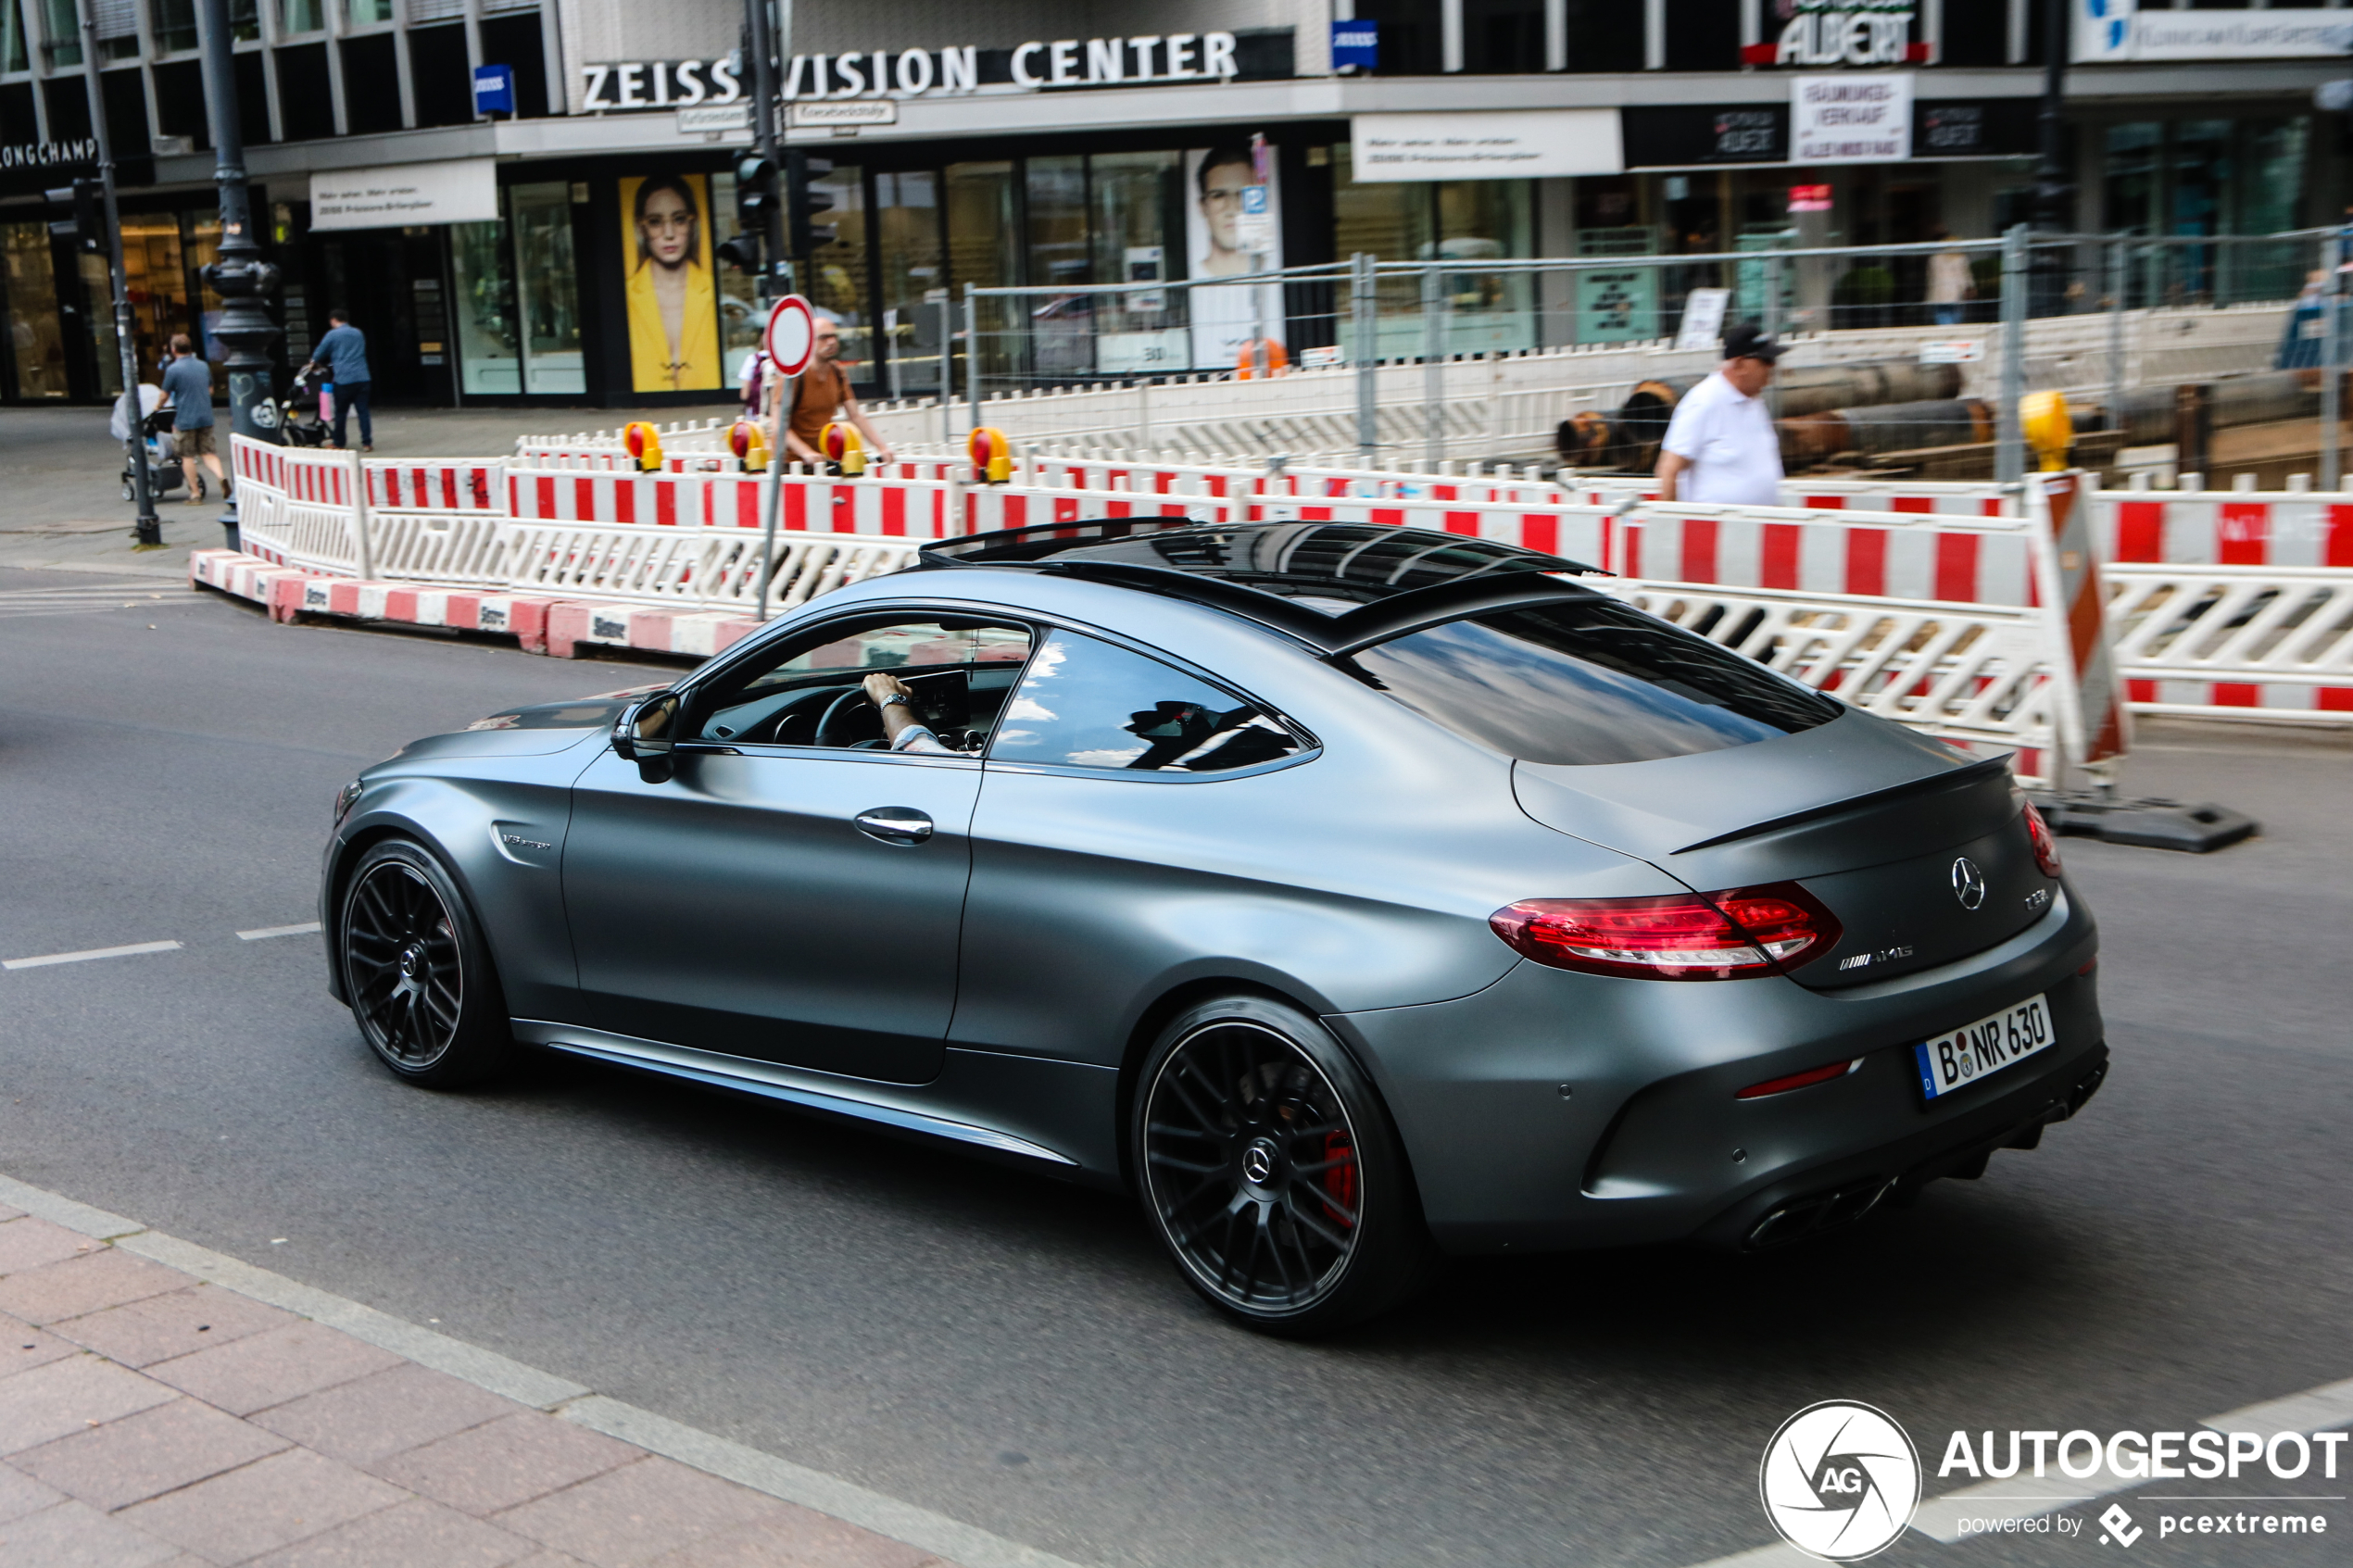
x=791 y=337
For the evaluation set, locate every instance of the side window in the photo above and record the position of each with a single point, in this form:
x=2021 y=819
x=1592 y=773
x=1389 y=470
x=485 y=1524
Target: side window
x=1085 y=704
x=808 y=690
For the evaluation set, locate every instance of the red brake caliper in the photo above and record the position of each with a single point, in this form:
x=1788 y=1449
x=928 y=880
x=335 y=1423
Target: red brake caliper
x=1339 y=1179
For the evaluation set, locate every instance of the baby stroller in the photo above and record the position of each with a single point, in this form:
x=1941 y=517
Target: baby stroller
x=295 y=415
x=165 y=472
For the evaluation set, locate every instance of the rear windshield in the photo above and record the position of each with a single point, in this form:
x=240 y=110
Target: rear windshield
x=1589 y=682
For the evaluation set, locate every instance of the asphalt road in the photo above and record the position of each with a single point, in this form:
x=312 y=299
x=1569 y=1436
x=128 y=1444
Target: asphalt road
x=1014 y=1352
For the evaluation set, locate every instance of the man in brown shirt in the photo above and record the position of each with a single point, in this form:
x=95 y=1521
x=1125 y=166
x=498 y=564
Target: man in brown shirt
x=823 y=391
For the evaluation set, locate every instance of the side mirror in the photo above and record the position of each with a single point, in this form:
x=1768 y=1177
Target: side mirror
x=646 y=733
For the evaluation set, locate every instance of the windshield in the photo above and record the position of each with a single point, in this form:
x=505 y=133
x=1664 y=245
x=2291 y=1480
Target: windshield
x=1588 y=681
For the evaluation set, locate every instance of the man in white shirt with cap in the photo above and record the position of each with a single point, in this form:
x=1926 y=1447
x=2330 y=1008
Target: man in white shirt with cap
x=1721 y=445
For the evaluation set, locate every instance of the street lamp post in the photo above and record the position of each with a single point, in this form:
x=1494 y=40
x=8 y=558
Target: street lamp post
x=239 y=276
x=148 y=529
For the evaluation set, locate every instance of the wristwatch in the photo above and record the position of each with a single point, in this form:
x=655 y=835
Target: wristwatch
x=898 y=697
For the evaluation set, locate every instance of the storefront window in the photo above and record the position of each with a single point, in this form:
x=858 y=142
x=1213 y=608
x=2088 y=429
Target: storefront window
x=1485 y=220
x=837 y=274
x=157 y=277
x=1138 y=227
x=1061 y=329
x=200 y=244
x=35 y=340
x=1391 y=220
x=548 y=287
x=740 y=316
x=906 y=231
x=487 y=353
x=984 y=248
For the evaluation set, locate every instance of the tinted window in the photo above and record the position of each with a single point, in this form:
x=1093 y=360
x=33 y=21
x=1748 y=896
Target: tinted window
x=1589 y=682
x=1085 y=704
x=806 y=690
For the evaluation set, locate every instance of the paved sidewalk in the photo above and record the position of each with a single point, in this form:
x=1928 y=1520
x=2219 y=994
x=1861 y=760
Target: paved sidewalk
x=149 y=1419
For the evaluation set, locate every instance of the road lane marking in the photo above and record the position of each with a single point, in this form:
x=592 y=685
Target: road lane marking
x=123 y=952
x=307 y=928
x=967 y=1545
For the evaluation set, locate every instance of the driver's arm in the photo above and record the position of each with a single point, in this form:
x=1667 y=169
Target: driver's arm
x=901 y=726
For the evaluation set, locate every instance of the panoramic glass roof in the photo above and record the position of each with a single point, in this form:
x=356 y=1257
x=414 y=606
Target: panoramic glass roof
x=1351 y=562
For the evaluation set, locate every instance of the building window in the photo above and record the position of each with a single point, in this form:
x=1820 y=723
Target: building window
x=306 y=101
x=1411 y=35
x=371 y=84
x=62 y=29
x=118 y=25
x=837 y=273
x=366 y=13
x=1706 y=34
x=1605 y=35
x=35 y=337
x=300 y=16
x=1504 y=37
x=513 y=41
x=12 y=47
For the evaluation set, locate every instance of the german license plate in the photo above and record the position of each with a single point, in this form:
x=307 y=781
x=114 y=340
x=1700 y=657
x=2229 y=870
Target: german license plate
x=1955 y=1060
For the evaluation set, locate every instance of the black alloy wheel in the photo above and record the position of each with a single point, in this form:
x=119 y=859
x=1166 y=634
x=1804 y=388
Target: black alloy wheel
x=416 y=971
x=1270 y=1172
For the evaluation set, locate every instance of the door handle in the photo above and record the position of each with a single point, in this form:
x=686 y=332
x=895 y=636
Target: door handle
x=894 y=824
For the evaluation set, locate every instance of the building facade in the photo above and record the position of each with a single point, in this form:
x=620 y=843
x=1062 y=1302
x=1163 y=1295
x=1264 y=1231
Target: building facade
x=561 y=250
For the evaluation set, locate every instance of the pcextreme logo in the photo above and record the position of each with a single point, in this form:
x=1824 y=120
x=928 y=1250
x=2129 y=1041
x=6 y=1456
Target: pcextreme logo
x=1839 y=1481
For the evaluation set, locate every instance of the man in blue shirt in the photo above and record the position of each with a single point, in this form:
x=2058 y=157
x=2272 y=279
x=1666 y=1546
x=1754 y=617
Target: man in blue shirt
x=187 y=392
x=344 y=353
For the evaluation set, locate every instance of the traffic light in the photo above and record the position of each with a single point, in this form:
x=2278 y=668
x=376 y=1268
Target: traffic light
x=84 y=228
x=755 y=198
x=802 y=202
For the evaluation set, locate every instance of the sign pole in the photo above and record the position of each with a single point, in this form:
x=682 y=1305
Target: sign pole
x=791 y=342
x=786 y=390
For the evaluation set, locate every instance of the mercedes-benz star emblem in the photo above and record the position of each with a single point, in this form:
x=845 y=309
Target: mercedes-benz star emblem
x=1968 y=882
x=1258 y=1162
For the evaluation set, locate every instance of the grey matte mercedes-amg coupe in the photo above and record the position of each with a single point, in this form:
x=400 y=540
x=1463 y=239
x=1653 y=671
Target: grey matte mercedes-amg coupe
x=1355 y=896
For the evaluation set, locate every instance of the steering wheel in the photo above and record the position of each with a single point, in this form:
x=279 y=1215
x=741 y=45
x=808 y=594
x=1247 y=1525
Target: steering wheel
x=832 y=728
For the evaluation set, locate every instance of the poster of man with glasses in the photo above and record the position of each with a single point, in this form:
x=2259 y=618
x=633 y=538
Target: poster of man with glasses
x=1233 y=226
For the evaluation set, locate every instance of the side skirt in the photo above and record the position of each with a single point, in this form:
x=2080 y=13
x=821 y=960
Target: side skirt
x=838 y=1097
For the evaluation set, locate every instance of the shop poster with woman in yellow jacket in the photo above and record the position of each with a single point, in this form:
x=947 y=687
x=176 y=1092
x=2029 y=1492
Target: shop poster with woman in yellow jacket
x=674 y=303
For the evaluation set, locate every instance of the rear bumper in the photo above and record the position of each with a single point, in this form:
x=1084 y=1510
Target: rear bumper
x=1555 y=1110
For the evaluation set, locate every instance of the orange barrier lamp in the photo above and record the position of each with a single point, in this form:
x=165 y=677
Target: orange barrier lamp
x=992 y=455
x=750 y=443
x=2049 y=427
x=644 y=445
x=841 y=443
x=1277 y=359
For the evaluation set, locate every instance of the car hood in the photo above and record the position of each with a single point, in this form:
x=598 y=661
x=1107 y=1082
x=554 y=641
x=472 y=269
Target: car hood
x=533 y=730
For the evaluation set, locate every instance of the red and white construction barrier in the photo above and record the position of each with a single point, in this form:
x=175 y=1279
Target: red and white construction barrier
x=558 y=627
x=2224 y=527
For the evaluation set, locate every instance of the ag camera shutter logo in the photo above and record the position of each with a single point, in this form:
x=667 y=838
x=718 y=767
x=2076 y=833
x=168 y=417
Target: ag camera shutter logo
x=1839 y=1481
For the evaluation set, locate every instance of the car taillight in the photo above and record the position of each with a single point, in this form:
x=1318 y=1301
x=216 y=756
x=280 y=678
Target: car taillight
x=1724 y=936
x=2046 y=842
x=1804 y=1080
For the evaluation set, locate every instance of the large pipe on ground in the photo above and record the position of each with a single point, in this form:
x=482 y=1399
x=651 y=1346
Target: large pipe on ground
x=1885 y=426
x=1632 y=435
x=2151 y=414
